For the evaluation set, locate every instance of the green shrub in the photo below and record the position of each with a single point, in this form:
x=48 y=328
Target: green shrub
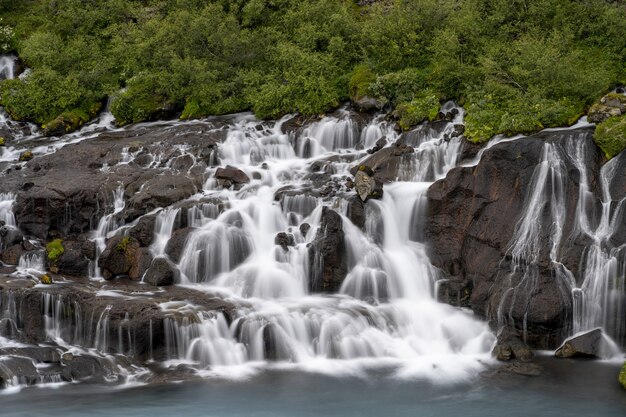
x=122 y=246
x=424 y=107
x=360 y=80
x=610 y=136
x=54 y=250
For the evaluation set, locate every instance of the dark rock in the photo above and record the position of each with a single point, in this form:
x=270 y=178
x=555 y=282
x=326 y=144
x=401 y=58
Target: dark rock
x=284 y=240
x=585 y=345
x=368 y=104
x=161 y=273
x=327 y=254
x=231 y=176
x=17 y=366
x=510 y=346
x=12 y=254
x=119 y=257
x=81 y=368
x=458 y=130
x=471 y=220
x=176 y=244
x=366 y=184
x=76 y=257
x=356 y=211
x=522 y=368
x=304 y=229
x=143 y=231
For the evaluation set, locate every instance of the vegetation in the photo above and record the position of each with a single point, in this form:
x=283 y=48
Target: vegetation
x=516 y=65
x=45 y=279
x=622 y=376
x=122 y=245
x=610 y=136
x=54 y=250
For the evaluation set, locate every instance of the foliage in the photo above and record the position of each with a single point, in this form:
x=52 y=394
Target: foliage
x=45 y=279
x=54 y=250
x=516 y=65
x=610 y=136
x=622 y=376
x=424 y=106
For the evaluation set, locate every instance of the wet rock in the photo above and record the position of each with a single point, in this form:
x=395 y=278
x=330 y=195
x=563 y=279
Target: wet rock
x=81 y=368
x=42 y=354
x=585 y=345
x=143 y=231
x=10 y=236
x=12 y=254
x=119 y=257
x=304 y=229
x=471 y=219
x=161 y=191
x=509 y=346
x=176 y=244
x=458 y=130
x=284 y=240
x=231 y=176
x=524 y=369
x=162 y=272
x=17 y=368
x=76 y=257
x=327 y=254
x=25 y=156
x=366 y=185
x=356 y=211
x=611 y=105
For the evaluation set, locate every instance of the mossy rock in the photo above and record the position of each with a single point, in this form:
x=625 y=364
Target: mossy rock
x=54 y=250
x=26 y=156
x=622 y=376
x=122 y=246
x=610 y=136
x=45 y=279
x=2 y=141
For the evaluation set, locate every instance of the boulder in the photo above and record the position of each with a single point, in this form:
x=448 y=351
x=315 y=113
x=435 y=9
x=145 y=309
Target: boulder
x=17 y=369
x=284 y=240
x=585 y=345
x=510 y=346
x=366 y=185
x=143 y=231
x=327 y=254
x=231 y=176
x=356 y=211
x=119 y=257
x=176 y=244
x=76 y=257
x=161 y=273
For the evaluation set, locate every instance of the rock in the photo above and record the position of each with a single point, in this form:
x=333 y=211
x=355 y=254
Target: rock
x=12 y=254
x=458 y=130
x=470 y=224
x=509 y=346
x=367 y=104
x=143 y=231
x=161 y=273
x=81 y=368
x=231 y=176
x=611 y=105
x=327 y=254
x=367 y=186
x=356 y=211
x=585 y=345
x=622 y=376
x=521 y=368
x=304 y=229
x=10 y=236
x=140 y=264
x=40 y=354
x=25 y=156
x=176 y=244
x=76 y=257
x=284 y=240
x=118 y=257
x=17 y=369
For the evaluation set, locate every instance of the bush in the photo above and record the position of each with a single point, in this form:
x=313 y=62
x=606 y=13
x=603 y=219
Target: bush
x=424 y=107
x=360 y=81
x=610 y=136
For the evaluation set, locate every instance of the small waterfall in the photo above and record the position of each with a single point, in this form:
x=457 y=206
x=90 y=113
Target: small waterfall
x=32 y=264
x=329 y=134
x=163 y=227
x=10 y=319
x=7 y=67
x=101 y=342
x=63 y=320
x=107 y=224
x=6 y=209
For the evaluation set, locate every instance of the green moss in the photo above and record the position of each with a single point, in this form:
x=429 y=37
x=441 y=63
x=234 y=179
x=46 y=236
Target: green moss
x=45 y=279
x=622 y=376
x=122 y=246
x=360 y=80
x=2 y=141
x=25 y=156
x=54 y=250
x=610 y=136
x=424 y=107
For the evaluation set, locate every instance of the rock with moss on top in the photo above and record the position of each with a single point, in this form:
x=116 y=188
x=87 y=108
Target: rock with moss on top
x=622 y=376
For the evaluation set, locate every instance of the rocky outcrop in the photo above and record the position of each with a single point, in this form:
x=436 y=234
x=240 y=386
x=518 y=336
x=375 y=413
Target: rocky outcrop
x=231 y=177
x=124 y=256
x=611 y=105
x=162 y=272
x=586 y=345
x=473 y=216
x=67 y=192
x=327 y=254
x=509 y=346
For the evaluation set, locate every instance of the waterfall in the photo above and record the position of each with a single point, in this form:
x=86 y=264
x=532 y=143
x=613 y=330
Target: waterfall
x=7 y=67
x=6 y=209
x=107 y=224
x=386 y=308
x=163 y=227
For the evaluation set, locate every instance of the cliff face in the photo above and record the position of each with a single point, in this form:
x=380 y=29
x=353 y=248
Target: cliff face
x=514 y=235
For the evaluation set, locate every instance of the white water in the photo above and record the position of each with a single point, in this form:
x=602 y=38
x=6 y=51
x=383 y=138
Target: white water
x=386 y=312
x=107 y=225
x=7 y=67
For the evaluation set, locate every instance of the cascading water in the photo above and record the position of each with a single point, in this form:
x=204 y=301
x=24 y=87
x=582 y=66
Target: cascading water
x=107 y=224
x=7 y=67
x=386 y=310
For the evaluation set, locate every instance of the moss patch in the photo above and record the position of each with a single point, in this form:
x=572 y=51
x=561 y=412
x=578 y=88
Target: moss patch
x=45 y=279
x=610 y=136
x=122 y=246
x=622 y=376
x=54 y=250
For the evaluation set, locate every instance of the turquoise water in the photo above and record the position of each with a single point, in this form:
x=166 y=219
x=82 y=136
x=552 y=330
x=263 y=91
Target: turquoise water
x=565 y=388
